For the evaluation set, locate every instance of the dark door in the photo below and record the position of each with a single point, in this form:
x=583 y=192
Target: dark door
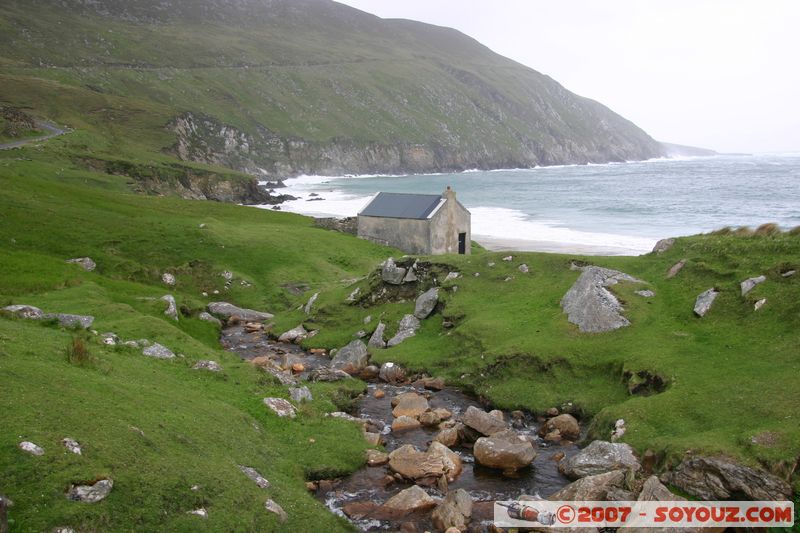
x=462 y=243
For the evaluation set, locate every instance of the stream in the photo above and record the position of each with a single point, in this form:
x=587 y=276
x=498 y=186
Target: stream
x=376 y=484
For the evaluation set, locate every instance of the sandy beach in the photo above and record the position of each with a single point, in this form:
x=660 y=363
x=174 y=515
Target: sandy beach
x=497 y=244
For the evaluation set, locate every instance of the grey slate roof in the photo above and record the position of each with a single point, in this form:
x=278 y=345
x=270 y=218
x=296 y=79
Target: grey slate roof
x=402 y=205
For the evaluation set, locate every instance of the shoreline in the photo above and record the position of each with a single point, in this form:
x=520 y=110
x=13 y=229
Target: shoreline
x=502 y=244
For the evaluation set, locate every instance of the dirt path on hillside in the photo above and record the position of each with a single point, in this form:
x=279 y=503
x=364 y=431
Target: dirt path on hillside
x=52 y=129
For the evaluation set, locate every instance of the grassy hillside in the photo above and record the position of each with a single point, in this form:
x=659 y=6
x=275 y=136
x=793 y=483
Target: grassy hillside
x=284 y=71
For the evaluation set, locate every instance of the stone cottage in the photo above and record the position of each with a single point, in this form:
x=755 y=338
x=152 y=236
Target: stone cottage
x=423 y=224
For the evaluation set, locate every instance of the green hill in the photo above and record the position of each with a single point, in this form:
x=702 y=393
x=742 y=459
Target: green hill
x=301 y=86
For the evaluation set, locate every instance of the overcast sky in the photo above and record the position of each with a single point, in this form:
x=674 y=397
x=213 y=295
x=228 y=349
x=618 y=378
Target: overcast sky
x=721 y=74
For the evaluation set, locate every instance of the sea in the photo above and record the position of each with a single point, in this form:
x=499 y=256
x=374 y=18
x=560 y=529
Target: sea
x=608 y=209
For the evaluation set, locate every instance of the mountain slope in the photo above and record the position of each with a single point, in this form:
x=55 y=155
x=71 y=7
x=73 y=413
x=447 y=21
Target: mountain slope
x=301 y=86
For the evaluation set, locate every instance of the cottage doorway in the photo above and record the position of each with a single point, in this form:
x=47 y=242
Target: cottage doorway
x=462 y=243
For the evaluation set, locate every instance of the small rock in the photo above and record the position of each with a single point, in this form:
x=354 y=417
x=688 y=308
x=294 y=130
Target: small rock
x=410 y=500
x=426 y=303
x=407 y=328
x=205 y=364
x=71 y=445
x=504 y=451
x=454 y=512
x=328 y=374
x=451 y=275
x=788 y=273
x=509 y=278
x=158 y=351
x=498 y=414
x=31 y=448
x=85 y=262
x=759 y=304
x=566 y=425
x=310 y=303
x=71 y=321
x=508 y=258
x=109 y=339
x=168 y=279
x=663 y=245
x=429 y=418
x=90 y=493
x=523 y=268
x=477 y=274
x=598 y=458
x=482 y=422
x=172 y=307
x=391 y=273
x=298 y=368
x=300 y=394
x=677 y=267
x=378 y=394
x=253 y=474
x=618 y=431
x=376 y=340
x=376 y=458
x=367 y=319
x=551 y=412
x=703 y=303
x=431 y=383
x=646 y=293
x=411 y=276
x=748 y=284
x=409 y=404
x=372 y=438
x=360 y=334
x=295 y=334
x=353 y=295
x=24 y=311
x=201 y=512
x=392 y=373
x=280 y=407
x=271 y=506
x=208 y=317
x=402 y=423
x=352 y=358
x=448 y=436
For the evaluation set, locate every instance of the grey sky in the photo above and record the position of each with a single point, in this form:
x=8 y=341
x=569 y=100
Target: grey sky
x=721 y=74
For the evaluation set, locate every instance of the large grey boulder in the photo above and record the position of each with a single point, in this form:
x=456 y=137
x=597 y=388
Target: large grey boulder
x=353 y=358
x=71 y=321
x=482 y=422
x=454 y=511
x=376 y=340
x=227 y=310
x=31 y=448
x=590 y=305
x=591 y=488
x=391 y=273
x=407 y=328
x=158 y=351
x=85 y=263
x=24 y=311
x=90 y=493
x=704 y=301
x=172 y=307
x=426 y=303
x=506 y=451
x=715 y=478
x=748 y=284
x=598 y=458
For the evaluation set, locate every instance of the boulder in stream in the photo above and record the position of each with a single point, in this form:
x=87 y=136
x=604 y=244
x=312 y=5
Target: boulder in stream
x=565 y=424
x=600 y=457
x=482 y=422
x=454 y=511
x=353 y=358
x=410 y=500
x=506 y=451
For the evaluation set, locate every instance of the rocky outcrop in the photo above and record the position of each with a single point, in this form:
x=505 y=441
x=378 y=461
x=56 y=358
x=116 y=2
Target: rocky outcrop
x=598 y=458
x=704 y=302
x=663 y=245
x=590 y=305
x=227 y=310
x=716 y=478
x=352 y=359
